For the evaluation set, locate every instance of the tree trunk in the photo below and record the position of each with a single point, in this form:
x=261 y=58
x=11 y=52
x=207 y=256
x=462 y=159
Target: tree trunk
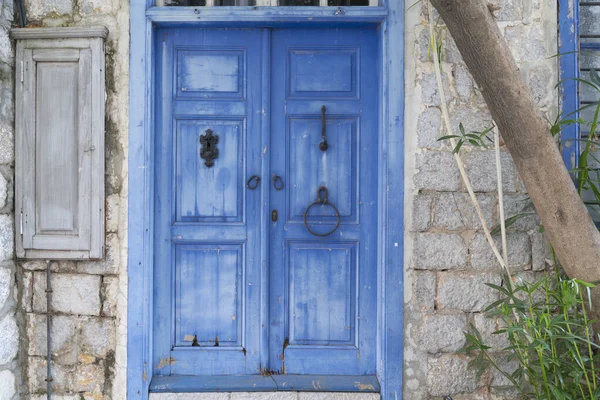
x=526 y=134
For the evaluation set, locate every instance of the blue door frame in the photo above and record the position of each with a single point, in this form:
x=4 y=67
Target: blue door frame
x=144 y=20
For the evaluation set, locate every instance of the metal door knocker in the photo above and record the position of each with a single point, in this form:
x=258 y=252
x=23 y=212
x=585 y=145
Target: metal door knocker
x=209 y=151
x=278 y=182
x=322 y=198
x=253 y=182
x=323 y=145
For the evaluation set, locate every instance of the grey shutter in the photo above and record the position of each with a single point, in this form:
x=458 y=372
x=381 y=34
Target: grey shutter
x=59 y=168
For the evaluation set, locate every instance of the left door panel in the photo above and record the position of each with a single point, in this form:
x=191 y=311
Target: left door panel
x=207 y=269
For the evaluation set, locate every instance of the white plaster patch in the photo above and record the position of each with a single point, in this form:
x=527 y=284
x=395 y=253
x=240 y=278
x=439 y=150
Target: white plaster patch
x=7 y=143
x=37 y=9
x=5 y=285
x=7 y=385
x=6 y=237
x=5 y=47
x=3 y=191
x=9 y=339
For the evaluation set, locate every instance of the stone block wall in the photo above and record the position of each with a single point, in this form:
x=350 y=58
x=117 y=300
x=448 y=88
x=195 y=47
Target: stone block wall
x=89 y=298
x=448 y=260
x=9 y=327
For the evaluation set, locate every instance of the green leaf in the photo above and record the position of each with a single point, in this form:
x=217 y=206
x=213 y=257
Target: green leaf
x=458 y=146
x=447 y=137
x=594 y=77
x=511 y=221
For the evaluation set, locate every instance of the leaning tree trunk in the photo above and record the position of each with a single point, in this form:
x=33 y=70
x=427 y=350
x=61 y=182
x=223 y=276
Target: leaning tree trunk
x=527 y=135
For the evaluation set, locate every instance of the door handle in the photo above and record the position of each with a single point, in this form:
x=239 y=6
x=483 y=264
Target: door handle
x=278 y=183
x=253 y=182
x=323 y=145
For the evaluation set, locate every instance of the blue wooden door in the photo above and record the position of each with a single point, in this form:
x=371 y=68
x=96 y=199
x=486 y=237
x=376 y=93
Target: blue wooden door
x=323 y=288
x=207 y=259
x=238 y=290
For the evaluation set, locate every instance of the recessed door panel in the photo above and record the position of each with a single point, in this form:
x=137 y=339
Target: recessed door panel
x=322 y=293
x=212 y=194
x=210 y=73
x=209 y=300
x=310 y=167
x=323 y=72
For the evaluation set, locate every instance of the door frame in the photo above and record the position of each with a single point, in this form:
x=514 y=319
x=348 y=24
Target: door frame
x=388 y=17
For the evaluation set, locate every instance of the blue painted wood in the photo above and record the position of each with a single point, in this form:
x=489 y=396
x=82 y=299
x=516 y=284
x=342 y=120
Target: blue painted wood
x=208 y=278
x=569 y=70
x=223 y=383
x=212 y=194
x=324 y=290
x=207 y=292
x=590 y=58
x=141 y=172
x=266 y=189
x=322 y=167
x=590 y=46
x=391 y=204
x=327 y=383
x=265 y=383
x=268 y=16
x=140 y=206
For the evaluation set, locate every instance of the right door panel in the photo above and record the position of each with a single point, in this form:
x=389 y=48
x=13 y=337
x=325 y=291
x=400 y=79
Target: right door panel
x=324 y=147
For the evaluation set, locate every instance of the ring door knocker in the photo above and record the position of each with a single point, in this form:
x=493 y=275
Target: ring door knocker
x=322 y=198
x=278 y=183
x=253 y=182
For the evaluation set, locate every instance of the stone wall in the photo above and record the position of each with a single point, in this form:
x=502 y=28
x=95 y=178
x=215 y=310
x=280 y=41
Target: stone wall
x=9 y=331
x=448 y=260
x=89 y=298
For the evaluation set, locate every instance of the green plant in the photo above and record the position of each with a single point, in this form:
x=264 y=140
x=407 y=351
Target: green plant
x=546 y=323
x=550 y=335
x=550 y=339
x=477 y=139
x=588 y=177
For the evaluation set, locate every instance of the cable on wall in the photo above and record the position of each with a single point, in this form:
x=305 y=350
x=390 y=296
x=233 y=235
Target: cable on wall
x=22 y=13
x=48 y=326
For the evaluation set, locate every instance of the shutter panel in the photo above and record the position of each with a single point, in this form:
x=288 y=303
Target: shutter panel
x=59 y=184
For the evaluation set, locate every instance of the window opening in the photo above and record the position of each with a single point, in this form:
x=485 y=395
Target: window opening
x=191 y=3
x=579 y=22
x=283 y=3
x=589 y=60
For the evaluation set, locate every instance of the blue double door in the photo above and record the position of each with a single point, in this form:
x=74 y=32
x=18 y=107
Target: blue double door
x=266 y=159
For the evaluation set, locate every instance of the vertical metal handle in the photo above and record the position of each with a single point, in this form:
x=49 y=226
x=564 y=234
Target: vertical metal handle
x=323 y=145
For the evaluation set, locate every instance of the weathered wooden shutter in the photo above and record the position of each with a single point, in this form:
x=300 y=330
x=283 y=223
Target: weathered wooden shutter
x=59 y=169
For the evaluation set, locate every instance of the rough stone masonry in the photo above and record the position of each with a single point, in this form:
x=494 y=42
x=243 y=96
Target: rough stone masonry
x=447 y=258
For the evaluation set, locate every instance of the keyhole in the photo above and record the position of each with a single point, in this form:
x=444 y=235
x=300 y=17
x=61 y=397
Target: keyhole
x=208 y=146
